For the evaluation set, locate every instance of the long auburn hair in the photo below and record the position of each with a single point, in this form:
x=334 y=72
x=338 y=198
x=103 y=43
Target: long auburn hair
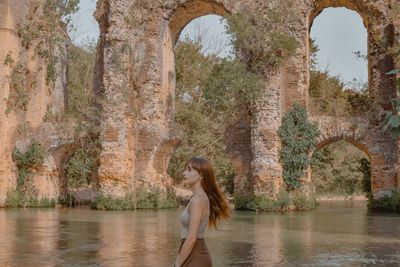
x=219 y=208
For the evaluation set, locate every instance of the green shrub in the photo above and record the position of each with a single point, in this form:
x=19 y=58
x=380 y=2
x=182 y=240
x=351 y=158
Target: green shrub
x=14 y=199
x=210 y=96
x=80 y=94
x=392 y=117
x=21 y=199
x=140 y=199
x=263 y=40
x=260 y=203
x=340 y=168
x=51 y=72
x=41 y=203
x=32 y=159
x=302 y=202
x=242 y=202
x=283 y=202
x=26 y=162
x=299 y=138
x=44 y=32
x=386 y=203
x=283 y=199
x=80 y=168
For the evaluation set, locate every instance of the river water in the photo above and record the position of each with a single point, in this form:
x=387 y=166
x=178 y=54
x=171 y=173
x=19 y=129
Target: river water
x=335 y=234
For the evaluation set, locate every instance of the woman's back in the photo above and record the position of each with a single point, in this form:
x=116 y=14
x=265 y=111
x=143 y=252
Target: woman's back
x=185 y=220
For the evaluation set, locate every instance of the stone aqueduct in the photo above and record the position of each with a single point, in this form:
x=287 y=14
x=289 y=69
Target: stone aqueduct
x=135 y=73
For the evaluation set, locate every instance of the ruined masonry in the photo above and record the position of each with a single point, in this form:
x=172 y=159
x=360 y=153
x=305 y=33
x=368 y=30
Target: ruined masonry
x=135 y=73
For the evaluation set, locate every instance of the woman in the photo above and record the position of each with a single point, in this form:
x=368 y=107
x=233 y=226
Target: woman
x=206 y=207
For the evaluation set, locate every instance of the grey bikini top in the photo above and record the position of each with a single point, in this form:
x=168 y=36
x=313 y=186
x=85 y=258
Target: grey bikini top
x=185 y=223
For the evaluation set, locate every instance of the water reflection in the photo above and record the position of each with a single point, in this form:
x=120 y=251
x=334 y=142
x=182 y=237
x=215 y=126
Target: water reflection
x=77 y=242
x=334 y=235
x=7 y=237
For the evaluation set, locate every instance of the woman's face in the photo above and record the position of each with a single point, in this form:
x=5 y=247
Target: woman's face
x=190 y=175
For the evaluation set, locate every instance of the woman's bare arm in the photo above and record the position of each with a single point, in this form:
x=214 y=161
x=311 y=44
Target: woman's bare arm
x=195 y=210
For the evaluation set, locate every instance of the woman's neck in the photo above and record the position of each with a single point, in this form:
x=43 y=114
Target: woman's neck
x=197 y=189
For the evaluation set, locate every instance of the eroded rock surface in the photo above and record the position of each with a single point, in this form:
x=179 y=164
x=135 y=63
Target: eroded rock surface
x=135 y=74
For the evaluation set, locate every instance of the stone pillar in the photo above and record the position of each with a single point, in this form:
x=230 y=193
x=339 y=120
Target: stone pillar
x=395 y=16
x=11 y=13
x=384 y=152
x=265 y=142
x=136 y=128
x=384 y=160
x=290 y=86
x=117 y=136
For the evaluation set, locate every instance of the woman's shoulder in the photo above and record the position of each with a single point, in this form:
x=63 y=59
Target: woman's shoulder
x=201 y=201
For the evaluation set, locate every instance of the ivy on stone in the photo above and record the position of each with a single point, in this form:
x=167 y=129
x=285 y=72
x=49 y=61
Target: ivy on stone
x=392 y=118
x=44 y=31
x=298 y=137
x=30 y=160
x=19 y=96
x=263 y=40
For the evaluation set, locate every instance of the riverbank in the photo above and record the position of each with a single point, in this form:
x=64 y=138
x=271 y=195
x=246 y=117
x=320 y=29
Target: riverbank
x=323 y=198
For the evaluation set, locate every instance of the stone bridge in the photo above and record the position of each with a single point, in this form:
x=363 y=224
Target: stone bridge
x=359 y=132
x=135 y=73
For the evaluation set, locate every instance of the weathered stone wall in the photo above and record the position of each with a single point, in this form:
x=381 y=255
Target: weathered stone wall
x=135 y=77
x=359 y=132
x=9 y=42
x=18 y=128
x=139 y=78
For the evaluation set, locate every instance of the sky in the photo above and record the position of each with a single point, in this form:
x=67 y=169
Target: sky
x=86 y=26
x=339 y=32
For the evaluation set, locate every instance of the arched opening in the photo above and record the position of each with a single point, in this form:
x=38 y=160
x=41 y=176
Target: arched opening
x=341 y=167
x=339 y=71
x=381 y=89
x=202 y=76
x=199 y=121
x=78 y=163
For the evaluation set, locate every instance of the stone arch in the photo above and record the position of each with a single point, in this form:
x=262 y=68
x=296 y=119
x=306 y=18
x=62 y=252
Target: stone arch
x=174 y=25
x=381 y=87
x=349 y=138
x=358 y=6
x=342 y=135
x=137 y=139
x=360 y=133
x=352 y=130
x=191 y=10
x=332 y=129
x=171 y=30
